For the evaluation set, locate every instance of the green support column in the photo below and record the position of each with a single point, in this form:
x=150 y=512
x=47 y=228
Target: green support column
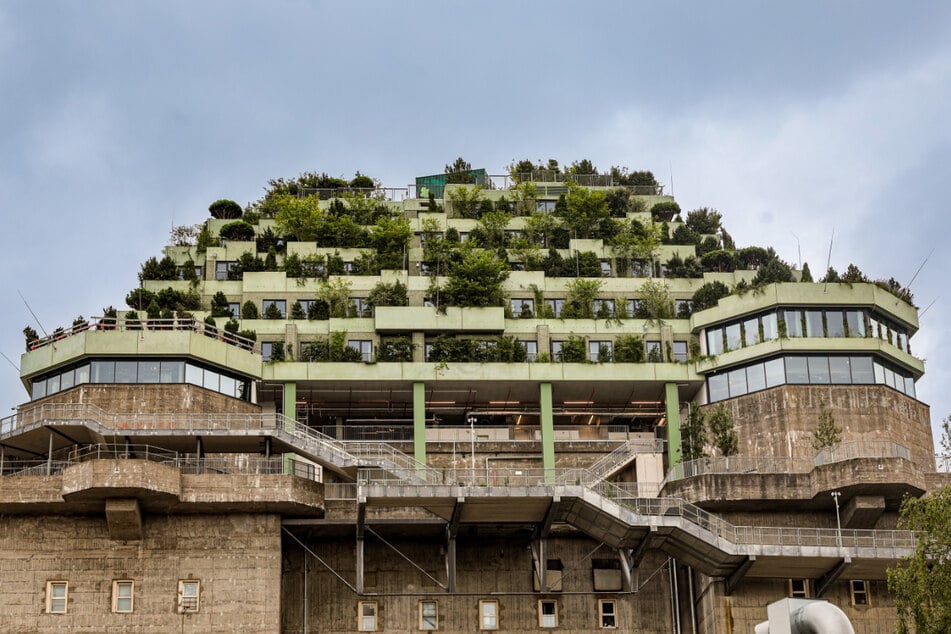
x=672 y=397
x=290 y=412
x=419 y=422
x=548 y=432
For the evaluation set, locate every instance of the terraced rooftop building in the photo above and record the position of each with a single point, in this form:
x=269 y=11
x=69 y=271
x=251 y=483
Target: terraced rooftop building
x=538 y=403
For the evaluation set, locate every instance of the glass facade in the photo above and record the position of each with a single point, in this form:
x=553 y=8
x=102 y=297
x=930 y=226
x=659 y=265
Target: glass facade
x=143 y=371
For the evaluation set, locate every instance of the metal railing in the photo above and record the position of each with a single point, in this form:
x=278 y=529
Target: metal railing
x=383 y=193
x=624 y=454
x=783 y=464
x=400 y=431
x=340 y=490
x=122 y=324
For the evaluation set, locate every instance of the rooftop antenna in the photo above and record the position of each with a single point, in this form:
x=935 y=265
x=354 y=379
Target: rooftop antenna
x=829 y=260
x=798 y=248
x=17 y=368
x=45 y=334
x=921 y=314
x=670 y=165
x=915 y=276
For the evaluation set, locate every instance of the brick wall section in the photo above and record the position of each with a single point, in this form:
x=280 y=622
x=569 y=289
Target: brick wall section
x=151 y=399
x=237 y=557
x=781 y=421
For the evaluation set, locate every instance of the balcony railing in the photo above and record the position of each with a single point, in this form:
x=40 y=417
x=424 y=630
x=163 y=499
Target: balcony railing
x=782 y=464
x=121 y=324
x=385 y=431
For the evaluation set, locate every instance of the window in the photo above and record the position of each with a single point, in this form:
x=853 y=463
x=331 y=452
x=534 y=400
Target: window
x=814 y=323
x=605 y=268
x=122 y=596
x=859 y=592
x=793 y=320
x=607 y=613
x=522 y=308
x=556 y=347
x=222 y=270
x=835 y=323
x=600 y=351
x=267 y=348
x=715 y=341
x=57 y=593
x=348 y=268
x=488 y=614
x=733 y=339
x=428 y=616
x=683 y=308
x=556 y=305
x=362 y=307
x=603 y=308
x=235 y=309
x=770 y=328
x=366 y=616
x=547 y=613
x=545 y=206
x=718 y=388
x=189 y=596
x=531 y=350
x=364 y=347
x=655 y=353
x=632 y=306
x=680 y=351
x=751 y=331
x=798 y=588
x=641 y=268
x=279 y=304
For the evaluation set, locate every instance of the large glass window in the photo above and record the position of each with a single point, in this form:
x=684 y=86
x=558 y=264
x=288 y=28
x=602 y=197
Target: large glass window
x=835 y=323
x=531 y=350
x=66 y=379
x=775 y=372
x=737 y=379
x=149 y=372
x=756 y=377
x=840 y=370
x=733 y=339
x=680 y=351
x=714 y=341
x=770 y=327
x=172 y=372
x=751 y=331
x=126 y=371
x=818 y=370
x=797 y=370
x=793 y=320
x=718 y=387
x=814 y=323
x=855 y=321
x=103 y=371
x=862 y=370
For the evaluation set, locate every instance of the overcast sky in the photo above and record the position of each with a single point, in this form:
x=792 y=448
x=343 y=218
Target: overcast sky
x=120 y=119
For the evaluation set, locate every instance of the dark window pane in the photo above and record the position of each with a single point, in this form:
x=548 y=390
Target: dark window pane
x=66 y=379
x=796 y=370
x=862 y=370
x=818 y=370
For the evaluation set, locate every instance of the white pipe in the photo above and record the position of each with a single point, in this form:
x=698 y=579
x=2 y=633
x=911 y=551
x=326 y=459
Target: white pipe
x=820 y=617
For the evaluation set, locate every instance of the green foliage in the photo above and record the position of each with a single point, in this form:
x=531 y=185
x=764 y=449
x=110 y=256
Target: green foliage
x=318 y=310
x=458 y=172
x=184 y=235
x=895 y=288
x=270 y=260
x=219 y=306
x=831 y=276
x=582 y=210
x=477 y=280
x=727 y=240
x=573 y=350
x=205 y=239
x=238 y=230
x=446 y=349
x=707 y=245
x=693 y=435
x=629 y=349
x=360 y=181
x=752 y=257
x=827 y=432
x=153 y=269
x=298 y=218
x=720 y=423
x=297 y=311
x=665 y=211
x=773 y=271
x=587 y=264
x=465 y=202
x=582 y=167
x=384 y=294
x=268 y=240
x=680 y=268
x=720 y=261
x=618 y=201
x=636 y=241
x=277 y=351
x=167 y=298
x=337 y=295
x=922 y=582
x=704 y=220
x=806 y=273
x=225 y=209
x=684 y=235
x=247 y=263
x=31 y=336
x=642 y=182
x=579 y=299
x=708 y=295
x=395 y=349
x=249 y=310
x=390 y=236
x=655 y=303
x=139 y=298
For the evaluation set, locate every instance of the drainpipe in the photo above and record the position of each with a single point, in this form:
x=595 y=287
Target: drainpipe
x=803 y=616
x=674 y=595
x=693 y=612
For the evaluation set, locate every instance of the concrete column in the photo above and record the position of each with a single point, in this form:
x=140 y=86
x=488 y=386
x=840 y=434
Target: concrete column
x=419 y=347
x=290 y=400
x=672 y=397
x=548 y=431
x=419 y=422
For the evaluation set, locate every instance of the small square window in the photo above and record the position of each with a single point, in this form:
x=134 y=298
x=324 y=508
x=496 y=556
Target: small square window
x=547 y=613
x=57 y=593
x=488 y=614
x=607 y=613
x=364 y=347
x=428 y=616
x=799 y=588
x=189 y=596
x=123 y=596
x=367 y=616
x=860 y=595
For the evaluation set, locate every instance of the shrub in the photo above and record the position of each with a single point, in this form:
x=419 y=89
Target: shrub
x=226 y=209
x=572 y=350
x=629 y=349
x=721 y=261
x=163 y=269
x=708 y=295
x=665 y=211
x=238 y=230
x=704 y=220
x=398 y=349
x=249 y=310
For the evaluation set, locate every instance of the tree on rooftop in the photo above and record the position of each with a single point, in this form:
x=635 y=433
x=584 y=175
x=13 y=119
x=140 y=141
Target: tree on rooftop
x=704 y=220
x=772 y=272
x=583 y=209
x=582 y=167
x=225 y=209
x=693 y=435
x=361 y=181
x=721 y=427
x=458 y=172
x=708 y=295
x=806 y=275
x=922 y=582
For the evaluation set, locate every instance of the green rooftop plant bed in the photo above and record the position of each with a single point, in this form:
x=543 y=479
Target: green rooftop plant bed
x=395 y=349
x=239 y=231
x=665 y=211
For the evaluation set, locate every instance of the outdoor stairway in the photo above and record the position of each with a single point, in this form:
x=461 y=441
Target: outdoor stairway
x=613 y=462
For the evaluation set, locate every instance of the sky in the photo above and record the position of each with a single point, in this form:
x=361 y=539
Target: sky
x=797 y=121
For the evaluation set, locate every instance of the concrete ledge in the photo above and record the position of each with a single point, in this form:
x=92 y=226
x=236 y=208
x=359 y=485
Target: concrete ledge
x=101 y=479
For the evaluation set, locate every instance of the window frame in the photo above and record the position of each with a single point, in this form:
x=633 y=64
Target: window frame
x=542 y=615
x=364 y=347
x=189 y=603
x=375 y=616
x=50 y=596
x=612 y=614
x=117 y=596
x=860 y=588
x=483 y=603
x=794 y=592
x=423 y=626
